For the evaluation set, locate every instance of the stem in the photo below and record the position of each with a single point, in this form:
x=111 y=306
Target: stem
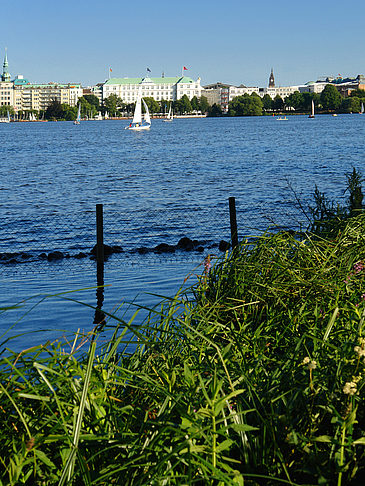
x=339 y=481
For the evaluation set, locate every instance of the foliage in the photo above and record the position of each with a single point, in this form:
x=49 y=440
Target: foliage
x=267 y=103
x=330 y=98
x=254 y=376
x=113 y=104
x=328 y=218
x=351 y=105
x=183 y=105
x=93 y=100
x=246 y=105
x=359 y=93
x=214 y=110
x=278 y=103
x=153 y=105
x=203 y=104
x=5 y=109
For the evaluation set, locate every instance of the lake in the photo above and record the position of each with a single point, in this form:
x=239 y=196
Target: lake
x=156 y=187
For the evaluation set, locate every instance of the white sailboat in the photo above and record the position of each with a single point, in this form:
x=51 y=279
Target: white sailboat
x=312 y=112
x=170 y=115
x=362 y=109
x=78 y=118
x=5 y=120
x=137 y=122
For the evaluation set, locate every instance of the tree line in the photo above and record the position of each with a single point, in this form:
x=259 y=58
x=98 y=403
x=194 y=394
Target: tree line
x=329 y=100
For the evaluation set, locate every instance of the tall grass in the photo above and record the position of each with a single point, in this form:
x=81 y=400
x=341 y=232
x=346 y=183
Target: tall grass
x=254 y=376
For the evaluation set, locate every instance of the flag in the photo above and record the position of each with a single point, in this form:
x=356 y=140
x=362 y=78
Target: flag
x=185 y=68
x=148 y=70
x=110 y=69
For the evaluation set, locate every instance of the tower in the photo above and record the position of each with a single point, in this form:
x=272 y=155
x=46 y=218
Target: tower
x=272 y=79
x=5 y=76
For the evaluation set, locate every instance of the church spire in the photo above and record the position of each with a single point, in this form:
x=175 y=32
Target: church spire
x=6 y=76
x=272 y=79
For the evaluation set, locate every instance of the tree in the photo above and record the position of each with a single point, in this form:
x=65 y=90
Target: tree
x=358 y=93
x=246 y=105
x=215 y=110
x=295 y=100
x=203 y=104
x=183 y=105
x=350 y=105
x=278 y=103
x=267 y=102
x=54 y=110
x=330 y=98
x=111 y=103
x=93 y=100
x=195 y=103
x=153 y=105
x=4 y=109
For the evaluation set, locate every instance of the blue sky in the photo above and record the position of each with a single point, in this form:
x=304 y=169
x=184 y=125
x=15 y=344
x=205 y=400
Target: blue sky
x=234 y=42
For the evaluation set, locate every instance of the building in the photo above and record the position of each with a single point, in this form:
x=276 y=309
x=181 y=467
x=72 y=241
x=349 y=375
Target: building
x=164 y=88
x=29 y=96
x=272 y=79
x=6 y=86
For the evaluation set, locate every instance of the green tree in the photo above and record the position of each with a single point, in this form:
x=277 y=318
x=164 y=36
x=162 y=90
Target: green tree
x=194 y=103
x=54 y=110
x=267 y=102
x=295 y=100
x=93 y=100
x=278 y=103
x=111 y=104
x=358 y=93
x=350 y=105
x=246 y=105
x=203 y=104
x=183 y=105
x=330 y=98
x=215 y=110
x=153 y=105
x=4 y=109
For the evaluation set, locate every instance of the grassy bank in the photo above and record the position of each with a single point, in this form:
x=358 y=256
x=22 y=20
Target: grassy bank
x=256 y=379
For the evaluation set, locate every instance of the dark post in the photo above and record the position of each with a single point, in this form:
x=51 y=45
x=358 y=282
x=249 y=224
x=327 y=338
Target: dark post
x=233 y=221
x=99 y=245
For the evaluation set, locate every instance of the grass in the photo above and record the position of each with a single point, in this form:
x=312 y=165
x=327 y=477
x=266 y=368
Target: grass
x=255 y=376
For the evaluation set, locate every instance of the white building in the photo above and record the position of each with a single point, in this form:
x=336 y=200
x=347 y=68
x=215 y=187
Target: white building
x=164 y=88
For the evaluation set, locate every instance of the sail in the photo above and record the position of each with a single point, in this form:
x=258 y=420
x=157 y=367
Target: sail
x=362 y=107
x=138 y=111
x=312 y=107
x=147 y=114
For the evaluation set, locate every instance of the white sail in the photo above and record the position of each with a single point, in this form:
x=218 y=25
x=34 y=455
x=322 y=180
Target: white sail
x=362 y=108
x=147 y=113
x=137 y=118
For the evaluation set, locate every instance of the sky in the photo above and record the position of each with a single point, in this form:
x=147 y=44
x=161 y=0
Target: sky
x=235 y=42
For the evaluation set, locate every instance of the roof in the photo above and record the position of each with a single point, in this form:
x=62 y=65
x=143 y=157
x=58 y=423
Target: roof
x=165 y=80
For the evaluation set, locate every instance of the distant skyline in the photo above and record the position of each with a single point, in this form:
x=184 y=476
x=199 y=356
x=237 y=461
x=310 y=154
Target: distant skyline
x=235 y=42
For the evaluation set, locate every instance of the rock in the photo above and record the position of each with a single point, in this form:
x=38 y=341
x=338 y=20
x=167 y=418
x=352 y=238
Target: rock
x=55 y=255
x=185 y=243
x=108 y=250
x=224 y=245
x=143 y=250
x=81 y=255
x=164 y=248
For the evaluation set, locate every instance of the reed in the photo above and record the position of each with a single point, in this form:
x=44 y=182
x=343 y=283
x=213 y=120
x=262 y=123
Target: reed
x=253 y=376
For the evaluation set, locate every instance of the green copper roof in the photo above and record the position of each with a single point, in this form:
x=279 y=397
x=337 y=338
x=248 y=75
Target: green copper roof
x=171 y=80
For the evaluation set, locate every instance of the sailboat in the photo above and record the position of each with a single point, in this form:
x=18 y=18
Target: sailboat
x=362 y=109
x=78 y=118
x=170 y=115
x=312 y=113
x=137 y=122
x=5 y=120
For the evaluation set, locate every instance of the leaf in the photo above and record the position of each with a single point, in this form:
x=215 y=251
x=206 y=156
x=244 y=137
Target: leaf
x=360 y=441
x=330 y=324
x=322 y=438
x=226 y=444
x=42 y=456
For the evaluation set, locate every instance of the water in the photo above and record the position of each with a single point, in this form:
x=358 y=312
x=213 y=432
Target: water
x=155 y=186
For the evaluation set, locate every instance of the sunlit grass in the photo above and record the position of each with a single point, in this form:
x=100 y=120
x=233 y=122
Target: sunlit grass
x=253 y=376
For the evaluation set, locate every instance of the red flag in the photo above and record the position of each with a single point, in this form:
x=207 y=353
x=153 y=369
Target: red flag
x=110 y=69
x=185 y=69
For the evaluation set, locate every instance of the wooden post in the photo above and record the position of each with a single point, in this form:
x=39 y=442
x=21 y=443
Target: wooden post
x=99 y=245
x=233 y=221
x=99 y=318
